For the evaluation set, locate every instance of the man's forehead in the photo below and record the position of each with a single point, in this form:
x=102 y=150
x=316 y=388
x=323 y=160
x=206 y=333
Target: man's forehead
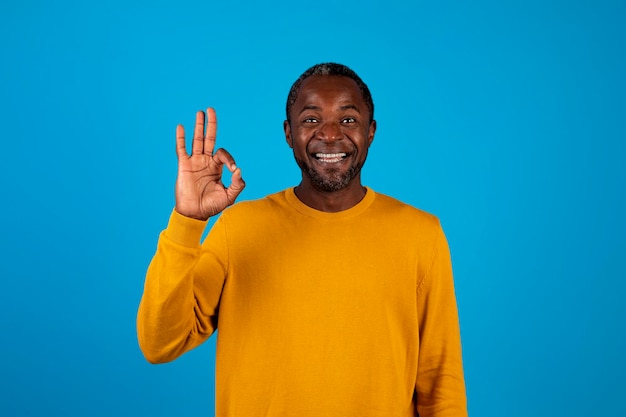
x=330 y=86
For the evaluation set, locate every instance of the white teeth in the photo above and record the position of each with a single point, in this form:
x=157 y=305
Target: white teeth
x=330 y=157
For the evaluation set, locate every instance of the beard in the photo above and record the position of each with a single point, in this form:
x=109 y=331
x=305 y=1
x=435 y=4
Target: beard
x=330 y=179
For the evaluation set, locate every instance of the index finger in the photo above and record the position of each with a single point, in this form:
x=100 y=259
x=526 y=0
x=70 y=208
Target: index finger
x=211 y=131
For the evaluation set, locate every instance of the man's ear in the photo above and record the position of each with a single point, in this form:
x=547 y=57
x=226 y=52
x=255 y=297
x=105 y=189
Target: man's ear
x=287 y=129
x=371 y=132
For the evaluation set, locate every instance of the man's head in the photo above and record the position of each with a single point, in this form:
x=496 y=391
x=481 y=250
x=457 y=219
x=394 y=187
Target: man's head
x=330 y=127
x=330 y=68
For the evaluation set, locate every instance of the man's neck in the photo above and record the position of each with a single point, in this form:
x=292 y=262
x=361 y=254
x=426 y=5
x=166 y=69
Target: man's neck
x=330 y=201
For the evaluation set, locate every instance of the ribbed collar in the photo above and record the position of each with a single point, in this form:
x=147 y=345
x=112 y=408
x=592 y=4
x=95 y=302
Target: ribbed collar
x=355 y=210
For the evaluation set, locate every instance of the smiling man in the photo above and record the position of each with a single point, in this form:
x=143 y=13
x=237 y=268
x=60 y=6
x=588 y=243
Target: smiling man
x=330 y=299
x=330 y=127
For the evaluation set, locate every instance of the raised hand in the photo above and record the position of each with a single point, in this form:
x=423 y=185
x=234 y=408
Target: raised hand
x=200 y=192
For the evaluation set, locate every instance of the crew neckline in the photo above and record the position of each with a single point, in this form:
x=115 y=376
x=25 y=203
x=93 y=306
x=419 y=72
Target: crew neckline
x=355 y=210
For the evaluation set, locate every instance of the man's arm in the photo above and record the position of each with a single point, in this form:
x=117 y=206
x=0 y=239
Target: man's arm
x=440 y=383
x=179 y=306
x=178 y=309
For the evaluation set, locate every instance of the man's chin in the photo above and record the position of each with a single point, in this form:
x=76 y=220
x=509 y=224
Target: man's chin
x=331 y=180
x=329 y=186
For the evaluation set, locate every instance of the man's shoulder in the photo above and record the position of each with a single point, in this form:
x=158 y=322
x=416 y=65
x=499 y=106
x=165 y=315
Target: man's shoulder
x=397 y=209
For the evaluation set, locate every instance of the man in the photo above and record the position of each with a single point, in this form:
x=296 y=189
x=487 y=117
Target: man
x=330 y=299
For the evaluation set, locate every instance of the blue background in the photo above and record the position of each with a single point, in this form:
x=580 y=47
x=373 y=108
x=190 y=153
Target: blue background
x=505 y=119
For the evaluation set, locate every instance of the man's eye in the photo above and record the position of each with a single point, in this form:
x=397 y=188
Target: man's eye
x=349 y=120
x=310 y=120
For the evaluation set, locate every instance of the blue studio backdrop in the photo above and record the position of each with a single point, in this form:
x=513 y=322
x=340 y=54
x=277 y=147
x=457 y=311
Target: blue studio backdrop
x=505 y=119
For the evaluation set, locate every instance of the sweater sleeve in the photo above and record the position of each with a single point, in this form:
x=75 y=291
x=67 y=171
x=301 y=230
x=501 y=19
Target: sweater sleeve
x=440 y=384
x=179 y=307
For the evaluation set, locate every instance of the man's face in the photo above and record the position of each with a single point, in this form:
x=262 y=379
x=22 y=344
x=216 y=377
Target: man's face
x=330 y=131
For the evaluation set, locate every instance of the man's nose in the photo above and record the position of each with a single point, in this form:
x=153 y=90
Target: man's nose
x=330 y=131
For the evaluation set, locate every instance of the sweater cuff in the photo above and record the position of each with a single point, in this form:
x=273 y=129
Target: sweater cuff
x=184 y=230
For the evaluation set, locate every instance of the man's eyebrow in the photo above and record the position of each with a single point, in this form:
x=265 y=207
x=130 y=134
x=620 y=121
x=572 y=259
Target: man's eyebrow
x=309 y=107
x=350 y=106
x=342 y=108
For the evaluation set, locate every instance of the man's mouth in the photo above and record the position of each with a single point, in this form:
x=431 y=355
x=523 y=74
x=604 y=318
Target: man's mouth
x=330 y=158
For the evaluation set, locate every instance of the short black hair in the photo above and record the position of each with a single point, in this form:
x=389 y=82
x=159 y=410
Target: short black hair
x=330 y=68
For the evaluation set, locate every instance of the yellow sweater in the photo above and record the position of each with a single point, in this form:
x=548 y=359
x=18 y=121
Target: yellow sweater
x=320 y=314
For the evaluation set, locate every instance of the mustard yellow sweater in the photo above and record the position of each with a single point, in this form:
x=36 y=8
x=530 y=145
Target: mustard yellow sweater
x=319 y=314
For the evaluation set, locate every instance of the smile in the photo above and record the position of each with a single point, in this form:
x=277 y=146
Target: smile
x=330 y=157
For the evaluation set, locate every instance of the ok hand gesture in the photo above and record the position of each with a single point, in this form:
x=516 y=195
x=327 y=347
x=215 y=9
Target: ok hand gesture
x=200 y=192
